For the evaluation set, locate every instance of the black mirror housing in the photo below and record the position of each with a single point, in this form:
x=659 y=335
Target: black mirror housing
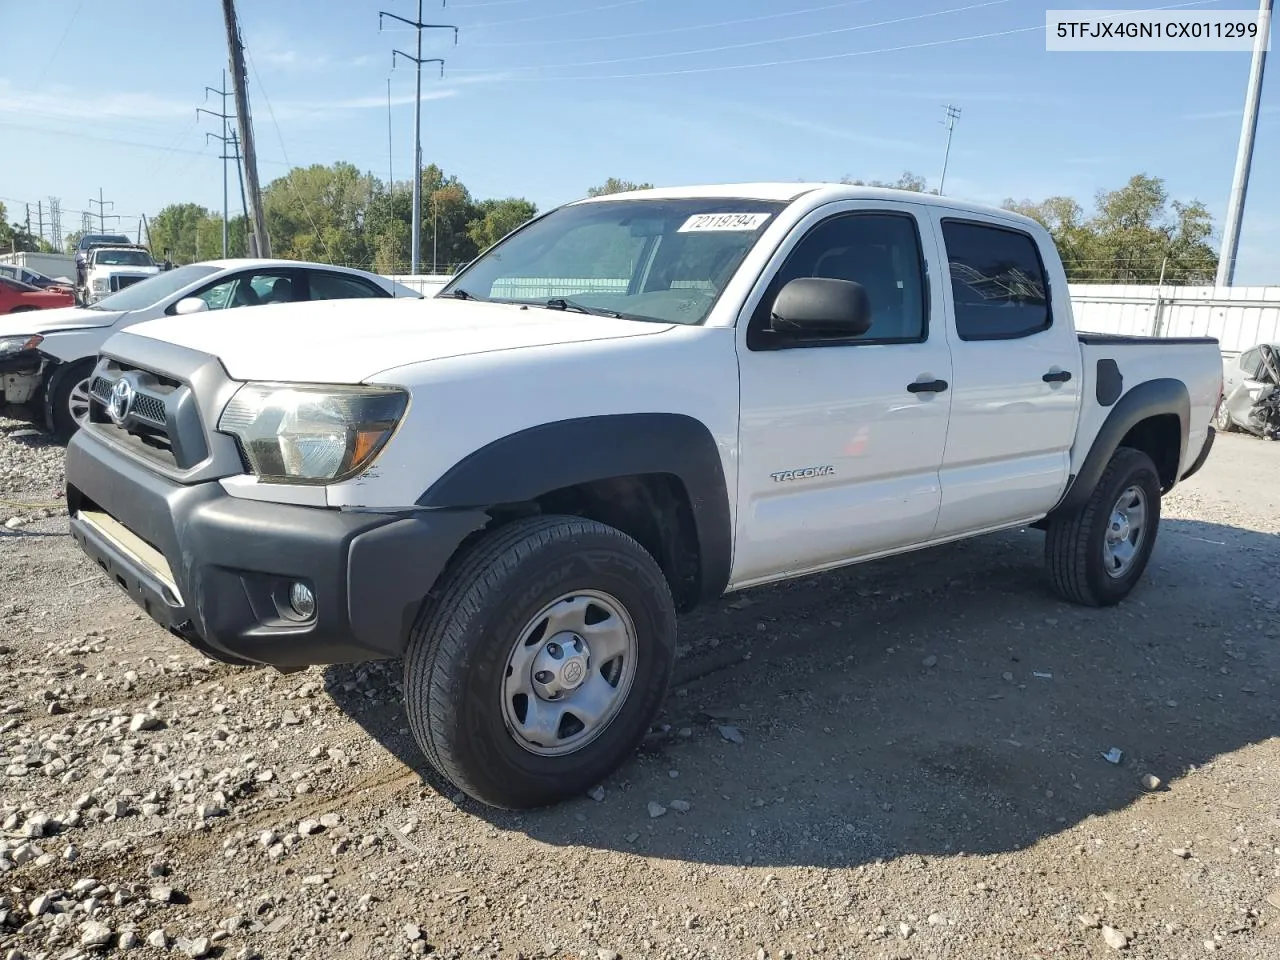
x=822 y=306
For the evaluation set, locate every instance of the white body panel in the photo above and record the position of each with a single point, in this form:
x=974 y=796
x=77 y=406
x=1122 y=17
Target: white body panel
x=845 y=409
x=1010 y=437
x=998 y=447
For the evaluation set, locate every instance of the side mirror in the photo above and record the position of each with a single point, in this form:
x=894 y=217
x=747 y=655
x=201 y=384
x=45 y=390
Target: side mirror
x=819 y=305
x=190 y=305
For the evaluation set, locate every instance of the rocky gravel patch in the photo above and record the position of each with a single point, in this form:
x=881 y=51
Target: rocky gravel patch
x=900 y=760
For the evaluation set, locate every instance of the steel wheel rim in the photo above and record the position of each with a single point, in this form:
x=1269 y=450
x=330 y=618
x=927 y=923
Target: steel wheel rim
x=78 y=402
x=1126 y=532
x=569 y=673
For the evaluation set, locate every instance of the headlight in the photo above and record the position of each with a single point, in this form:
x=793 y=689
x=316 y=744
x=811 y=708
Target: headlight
x=11 y=345
x=99 y=284
x=303 y=433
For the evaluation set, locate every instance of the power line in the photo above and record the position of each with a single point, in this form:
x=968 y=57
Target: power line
x=754 y=43
x=556 y=16
x=687 y=28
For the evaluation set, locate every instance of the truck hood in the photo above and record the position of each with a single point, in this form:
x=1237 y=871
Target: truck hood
x=61 y=318
x=123 y=269
x=348 y=341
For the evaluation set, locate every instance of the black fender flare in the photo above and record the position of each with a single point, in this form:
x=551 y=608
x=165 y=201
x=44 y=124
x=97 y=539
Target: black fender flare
x=525 y=465
x=1149 y=399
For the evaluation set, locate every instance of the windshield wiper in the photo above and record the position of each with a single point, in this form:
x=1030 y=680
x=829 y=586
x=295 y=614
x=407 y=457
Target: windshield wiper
x=461 y=294
x=560 y=303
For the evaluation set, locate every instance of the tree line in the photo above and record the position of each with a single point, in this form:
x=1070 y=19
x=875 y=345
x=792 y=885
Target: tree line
x=335 y=214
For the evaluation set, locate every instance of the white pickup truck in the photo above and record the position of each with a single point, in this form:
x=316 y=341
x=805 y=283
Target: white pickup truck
x=109 y=270
x=629 y=406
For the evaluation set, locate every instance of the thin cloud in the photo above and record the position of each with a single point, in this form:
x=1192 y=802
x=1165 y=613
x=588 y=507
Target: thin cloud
x=63 y=104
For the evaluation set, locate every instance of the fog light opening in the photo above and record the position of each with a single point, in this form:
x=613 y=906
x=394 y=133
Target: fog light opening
x=302 y=600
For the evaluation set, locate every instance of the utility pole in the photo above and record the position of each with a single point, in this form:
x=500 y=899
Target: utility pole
x=224 y=117
x=102 y=215
x=40 y=218
x=244 y=206
x=1244 y=155
x=391 y=176
x=953 y=114
x=28 y=207
x=262 y=243
x=417 y=117
x=55 y=223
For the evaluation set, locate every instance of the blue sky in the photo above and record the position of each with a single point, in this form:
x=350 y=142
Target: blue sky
x=543 y=98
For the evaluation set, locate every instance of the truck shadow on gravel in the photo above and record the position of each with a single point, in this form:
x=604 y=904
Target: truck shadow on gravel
x=928 y=704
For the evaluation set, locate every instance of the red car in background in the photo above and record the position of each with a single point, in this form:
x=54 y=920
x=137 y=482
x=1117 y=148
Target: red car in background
x=16 y=296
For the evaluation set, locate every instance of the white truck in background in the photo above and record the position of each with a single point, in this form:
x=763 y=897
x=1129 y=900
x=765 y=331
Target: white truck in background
x=629 y=406
x=109 y=269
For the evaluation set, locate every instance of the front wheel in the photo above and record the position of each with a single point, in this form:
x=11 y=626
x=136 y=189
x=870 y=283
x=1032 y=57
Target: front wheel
x=542 y=664
x=1097 y=553
x=70 y=400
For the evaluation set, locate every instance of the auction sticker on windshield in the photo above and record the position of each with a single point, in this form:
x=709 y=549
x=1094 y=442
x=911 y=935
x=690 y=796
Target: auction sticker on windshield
x=723 y=221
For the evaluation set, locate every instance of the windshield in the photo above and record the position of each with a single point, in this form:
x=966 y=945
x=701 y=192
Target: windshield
x=122 y=258
x=148 y=292
x=664 y=260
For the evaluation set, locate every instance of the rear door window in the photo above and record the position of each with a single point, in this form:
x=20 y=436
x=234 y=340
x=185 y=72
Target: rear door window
x=998 y=282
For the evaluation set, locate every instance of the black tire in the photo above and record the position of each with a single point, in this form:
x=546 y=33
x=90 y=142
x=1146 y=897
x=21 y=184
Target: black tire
x=457 y=665
x=23 y=309
x=64 y=424
x=1075 y=543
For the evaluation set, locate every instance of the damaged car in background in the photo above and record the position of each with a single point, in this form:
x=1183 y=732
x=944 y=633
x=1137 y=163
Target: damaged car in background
x=1251 y=392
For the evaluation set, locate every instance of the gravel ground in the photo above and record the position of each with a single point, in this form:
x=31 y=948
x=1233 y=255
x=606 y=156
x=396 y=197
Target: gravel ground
x=900 y=760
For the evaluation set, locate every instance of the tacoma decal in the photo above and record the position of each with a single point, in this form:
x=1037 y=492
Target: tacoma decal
x=807 y=473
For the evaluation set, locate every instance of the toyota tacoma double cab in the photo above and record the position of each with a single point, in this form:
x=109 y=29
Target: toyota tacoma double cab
x=628 y=406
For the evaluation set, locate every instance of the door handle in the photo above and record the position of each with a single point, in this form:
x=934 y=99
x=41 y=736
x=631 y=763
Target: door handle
x=1062 y=376
x=927 y=386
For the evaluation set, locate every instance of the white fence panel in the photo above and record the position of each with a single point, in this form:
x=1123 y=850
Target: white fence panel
x=1238 y=316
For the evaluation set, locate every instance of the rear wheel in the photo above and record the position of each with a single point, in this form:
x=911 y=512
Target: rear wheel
x=70 y=400
x=543 y=662
x=1097 y=553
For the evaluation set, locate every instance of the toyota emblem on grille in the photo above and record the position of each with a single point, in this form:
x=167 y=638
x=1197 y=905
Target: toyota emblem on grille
x=120 y=404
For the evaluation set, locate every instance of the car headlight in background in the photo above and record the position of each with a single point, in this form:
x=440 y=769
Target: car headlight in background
x=20 y=344
x=99 y=284
x=303 y=433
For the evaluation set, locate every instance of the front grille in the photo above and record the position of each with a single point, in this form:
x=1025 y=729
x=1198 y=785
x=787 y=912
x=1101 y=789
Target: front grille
x=118 y=282
x=160 y=423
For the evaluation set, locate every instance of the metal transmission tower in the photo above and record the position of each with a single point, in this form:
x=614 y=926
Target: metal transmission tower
x=417 y=117
x=55 y=223
x=86 y=221
x=224 y=139
x=102 y=215
x=953 y=114
x=1244 y=156
x=262 y=243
